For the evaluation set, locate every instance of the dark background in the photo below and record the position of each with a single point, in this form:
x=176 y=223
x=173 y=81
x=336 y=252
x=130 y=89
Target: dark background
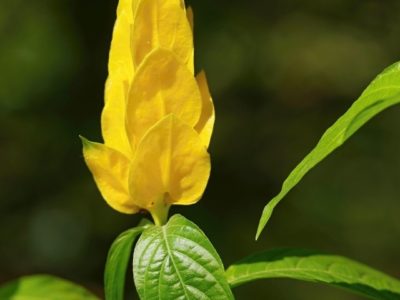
x=280 y=73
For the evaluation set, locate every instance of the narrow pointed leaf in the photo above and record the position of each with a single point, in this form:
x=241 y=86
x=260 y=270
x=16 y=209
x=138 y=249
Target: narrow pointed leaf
x=44 y=287
x=311 y=266
x=118 y=260
x=382 y=93
x=177 y=261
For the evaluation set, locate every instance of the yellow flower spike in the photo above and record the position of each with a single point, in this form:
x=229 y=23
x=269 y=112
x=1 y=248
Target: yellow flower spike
x=162 y=23
x=158 y=118
x=162 y=85
x=110 y=170
x=171 y=166
x=207 y=118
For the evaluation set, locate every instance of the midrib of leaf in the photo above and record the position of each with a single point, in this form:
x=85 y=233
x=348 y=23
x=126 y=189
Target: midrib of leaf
x=170 y=254
x=186 y=260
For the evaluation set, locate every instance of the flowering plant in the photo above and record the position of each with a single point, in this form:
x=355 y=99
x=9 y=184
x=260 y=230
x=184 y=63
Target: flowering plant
x=157 y=123
x=157 y=118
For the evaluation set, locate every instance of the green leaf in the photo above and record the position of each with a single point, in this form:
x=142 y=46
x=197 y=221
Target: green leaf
x=117 y=261
x=382 y=93
x=177 y=261
x=315 y=267
x=43 y=287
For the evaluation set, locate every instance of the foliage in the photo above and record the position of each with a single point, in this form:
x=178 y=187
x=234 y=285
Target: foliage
x=157 y=122
x=382 y=93
x=177 y=261
x=43 y=287
x=118 y=259
x=316 y=267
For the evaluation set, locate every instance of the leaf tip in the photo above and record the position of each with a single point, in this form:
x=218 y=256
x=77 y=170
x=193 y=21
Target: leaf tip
x=266 y=215
x=259 y=230
x=85 y=141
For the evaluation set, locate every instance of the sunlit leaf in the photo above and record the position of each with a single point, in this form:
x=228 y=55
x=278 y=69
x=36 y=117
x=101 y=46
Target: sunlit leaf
x=382 y=93
x=177 y=261
x=43 y=287
x=315 y=267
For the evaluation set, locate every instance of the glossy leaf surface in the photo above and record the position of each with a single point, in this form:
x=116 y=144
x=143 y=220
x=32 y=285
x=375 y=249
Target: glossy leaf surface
x=315 y=267
x=177 y=261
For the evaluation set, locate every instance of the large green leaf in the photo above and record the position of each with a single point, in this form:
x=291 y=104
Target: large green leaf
x=315 y=267
x=177 y=261
x=43 y=287
x=382 y=93
x=117 y=261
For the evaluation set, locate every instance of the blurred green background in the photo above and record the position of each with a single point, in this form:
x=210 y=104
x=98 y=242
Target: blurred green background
x=280 y=73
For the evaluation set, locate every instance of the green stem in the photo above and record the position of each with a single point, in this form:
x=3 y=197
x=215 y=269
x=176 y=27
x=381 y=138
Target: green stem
x=160 y=213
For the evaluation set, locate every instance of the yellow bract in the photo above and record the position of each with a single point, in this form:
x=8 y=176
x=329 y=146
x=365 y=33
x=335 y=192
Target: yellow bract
x=110 y=170
x=162 y=85
x=171 y=166
x=120 y=69
x=205 y=124
x=158 y=118
x=113 y=128
x=162 y=23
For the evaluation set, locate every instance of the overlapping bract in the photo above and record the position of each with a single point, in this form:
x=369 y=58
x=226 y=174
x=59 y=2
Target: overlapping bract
x=158 y=117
